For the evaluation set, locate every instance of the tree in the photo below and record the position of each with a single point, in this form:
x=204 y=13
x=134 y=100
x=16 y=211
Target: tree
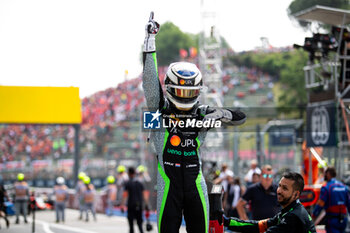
x=287 y=67
x=299 y=5
x=170 y=40
x=294 y=95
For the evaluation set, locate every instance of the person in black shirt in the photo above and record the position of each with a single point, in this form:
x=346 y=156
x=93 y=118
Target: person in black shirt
x=293 y=218
x=261 y=196
x=135 y=192
x=3 y=196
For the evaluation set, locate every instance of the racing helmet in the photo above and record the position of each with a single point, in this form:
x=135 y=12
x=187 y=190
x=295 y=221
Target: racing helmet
x=183 y=83
x=110 y=179
x=60 y=180
x=20 y=176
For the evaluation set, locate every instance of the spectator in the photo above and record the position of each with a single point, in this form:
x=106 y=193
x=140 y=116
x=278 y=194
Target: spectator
x=253 y=169
x=224 y=174
x=61 y=194
x=234 y=192
x=256 y=178
x=135 y=192
x=21 y=197
x=335 y=199
x=261 y=196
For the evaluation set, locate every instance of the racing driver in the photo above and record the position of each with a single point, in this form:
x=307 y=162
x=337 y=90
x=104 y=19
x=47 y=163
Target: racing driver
x=181 y=187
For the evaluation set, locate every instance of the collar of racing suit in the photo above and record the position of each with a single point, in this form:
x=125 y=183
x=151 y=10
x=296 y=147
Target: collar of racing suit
x=290 y=207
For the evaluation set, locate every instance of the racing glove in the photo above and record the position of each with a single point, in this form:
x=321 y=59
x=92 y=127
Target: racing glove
x=234 y=117
x=236 y=224
x=152 y=28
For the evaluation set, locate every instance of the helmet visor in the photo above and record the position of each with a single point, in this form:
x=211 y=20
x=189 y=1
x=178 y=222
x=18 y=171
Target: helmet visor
x=183 y=91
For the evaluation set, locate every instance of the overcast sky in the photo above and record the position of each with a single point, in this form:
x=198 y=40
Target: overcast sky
x=89 y=44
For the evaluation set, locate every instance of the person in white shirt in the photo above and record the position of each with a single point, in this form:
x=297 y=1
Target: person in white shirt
x=253 y=169
x=223 y=177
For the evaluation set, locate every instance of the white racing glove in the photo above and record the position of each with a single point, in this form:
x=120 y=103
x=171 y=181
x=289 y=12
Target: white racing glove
x=152 y=28
x=234 y=117
x=219 y=114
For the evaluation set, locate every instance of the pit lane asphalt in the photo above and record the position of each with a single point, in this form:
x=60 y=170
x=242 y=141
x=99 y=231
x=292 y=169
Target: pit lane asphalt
x=45 y=223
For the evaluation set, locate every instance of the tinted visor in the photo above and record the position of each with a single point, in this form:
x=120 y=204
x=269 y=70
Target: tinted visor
x=183 y=91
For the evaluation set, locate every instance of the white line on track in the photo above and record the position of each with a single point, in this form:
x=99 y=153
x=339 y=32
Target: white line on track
x=46 y=227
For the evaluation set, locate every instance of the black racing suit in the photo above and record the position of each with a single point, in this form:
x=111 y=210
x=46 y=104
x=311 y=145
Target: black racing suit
x=181 y=187
x=292 y=219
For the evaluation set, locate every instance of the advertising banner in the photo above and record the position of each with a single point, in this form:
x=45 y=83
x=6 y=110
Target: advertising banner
x=321 y=125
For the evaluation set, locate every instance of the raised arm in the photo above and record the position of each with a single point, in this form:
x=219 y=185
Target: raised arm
x=151 y=84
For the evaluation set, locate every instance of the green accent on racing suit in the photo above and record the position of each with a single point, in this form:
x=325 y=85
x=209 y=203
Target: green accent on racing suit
x=181 y=187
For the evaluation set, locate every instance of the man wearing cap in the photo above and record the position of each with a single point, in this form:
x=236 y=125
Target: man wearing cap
x=21 y=197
